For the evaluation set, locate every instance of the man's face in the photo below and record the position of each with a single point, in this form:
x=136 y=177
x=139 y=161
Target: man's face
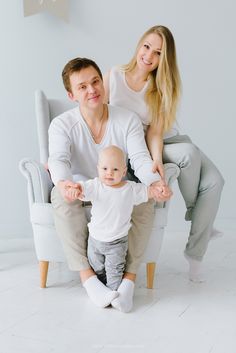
x=87 y=88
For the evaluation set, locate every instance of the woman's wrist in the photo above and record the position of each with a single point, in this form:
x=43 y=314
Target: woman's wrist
x=158 y=160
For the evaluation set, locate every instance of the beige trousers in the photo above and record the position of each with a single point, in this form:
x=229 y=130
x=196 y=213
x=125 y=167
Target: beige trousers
x=71 y=226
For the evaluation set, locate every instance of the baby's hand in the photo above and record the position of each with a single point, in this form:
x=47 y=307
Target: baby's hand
x=160 y=191
x=70 y=191
x=75 y=193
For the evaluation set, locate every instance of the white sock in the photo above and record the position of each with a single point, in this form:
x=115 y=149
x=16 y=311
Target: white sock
x=124 y=302
x=98 y=292
x=216 y=234
x=195 y=270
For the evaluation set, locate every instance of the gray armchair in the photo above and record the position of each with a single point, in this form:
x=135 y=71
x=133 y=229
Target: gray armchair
x=47 y=244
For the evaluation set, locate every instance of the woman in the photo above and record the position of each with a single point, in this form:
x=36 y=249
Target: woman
x=150 y=85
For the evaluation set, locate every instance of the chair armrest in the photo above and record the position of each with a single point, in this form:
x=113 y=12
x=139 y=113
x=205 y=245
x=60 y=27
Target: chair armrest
x=39 y=183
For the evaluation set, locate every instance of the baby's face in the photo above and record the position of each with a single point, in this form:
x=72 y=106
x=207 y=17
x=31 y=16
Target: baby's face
x=111 y=169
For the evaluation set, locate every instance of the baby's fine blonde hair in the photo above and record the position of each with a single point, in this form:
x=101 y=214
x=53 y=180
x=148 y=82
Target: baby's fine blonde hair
x=113 y=151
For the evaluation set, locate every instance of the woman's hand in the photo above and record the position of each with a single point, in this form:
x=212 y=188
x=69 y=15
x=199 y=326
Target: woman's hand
x=158 y=167
x=70 y=191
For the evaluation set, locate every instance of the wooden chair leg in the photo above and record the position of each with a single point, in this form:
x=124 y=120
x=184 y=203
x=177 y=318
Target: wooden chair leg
x=150 y=268
x=43 y=269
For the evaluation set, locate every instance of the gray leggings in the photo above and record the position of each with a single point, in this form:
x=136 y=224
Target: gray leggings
x=108 y=260
x=200 y=184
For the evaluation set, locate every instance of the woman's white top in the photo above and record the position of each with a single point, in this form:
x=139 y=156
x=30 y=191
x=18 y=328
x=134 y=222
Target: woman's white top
x=121 y=95
x=112 y=207
x=73 y=154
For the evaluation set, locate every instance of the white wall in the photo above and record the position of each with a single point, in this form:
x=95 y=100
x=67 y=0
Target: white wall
x=35 y=49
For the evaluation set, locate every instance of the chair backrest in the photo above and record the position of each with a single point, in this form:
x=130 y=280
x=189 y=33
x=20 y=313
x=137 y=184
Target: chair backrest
x=47 y=109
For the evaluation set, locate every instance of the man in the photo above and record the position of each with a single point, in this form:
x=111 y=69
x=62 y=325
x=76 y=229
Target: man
x=75 y=139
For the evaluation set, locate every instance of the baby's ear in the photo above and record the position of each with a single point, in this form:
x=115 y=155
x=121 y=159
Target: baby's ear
x=125 y=171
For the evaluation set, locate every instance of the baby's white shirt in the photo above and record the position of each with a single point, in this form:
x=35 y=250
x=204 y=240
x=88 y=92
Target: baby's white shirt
x=112 y=207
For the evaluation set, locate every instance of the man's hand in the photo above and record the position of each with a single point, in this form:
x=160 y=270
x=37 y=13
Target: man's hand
x=160 y=191
x=69 y=190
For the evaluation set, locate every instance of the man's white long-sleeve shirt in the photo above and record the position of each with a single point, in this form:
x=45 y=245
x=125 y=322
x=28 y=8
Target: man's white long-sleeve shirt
x=73 y=154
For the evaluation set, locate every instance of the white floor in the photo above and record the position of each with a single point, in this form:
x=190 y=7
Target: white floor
x=176 y=317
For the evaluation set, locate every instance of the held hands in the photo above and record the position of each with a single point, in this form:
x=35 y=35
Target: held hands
x=159 y=191
x=70 y=191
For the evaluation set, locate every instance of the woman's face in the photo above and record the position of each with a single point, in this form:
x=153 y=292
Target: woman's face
x=148 y=55
x=87 y=88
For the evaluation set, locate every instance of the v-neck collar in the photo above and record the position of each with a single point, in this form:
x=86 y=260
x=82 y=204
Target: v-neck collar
x=89 y=132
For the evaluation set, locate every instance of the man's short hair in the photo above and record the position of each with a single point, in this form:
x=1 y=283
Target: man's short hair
x=76 y=65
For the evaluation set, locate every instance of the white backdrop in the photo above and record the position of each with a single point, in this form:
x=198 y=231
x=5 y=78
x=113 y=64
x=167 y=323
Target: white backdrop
x=35 y=49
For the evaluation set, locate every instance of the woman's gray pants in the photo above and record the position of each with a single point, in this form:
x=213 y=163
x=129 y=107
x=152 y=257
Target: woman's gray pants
x=200 y=184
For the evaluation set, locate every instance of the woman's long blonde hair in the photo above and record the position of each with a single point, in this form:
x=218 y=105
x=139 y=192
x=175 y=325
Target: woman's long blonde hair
x=163 y=92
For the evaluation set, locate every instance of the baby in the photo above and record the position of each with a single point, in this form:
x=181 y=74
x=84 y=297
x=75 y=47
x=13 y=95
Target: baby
x=112 y=200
